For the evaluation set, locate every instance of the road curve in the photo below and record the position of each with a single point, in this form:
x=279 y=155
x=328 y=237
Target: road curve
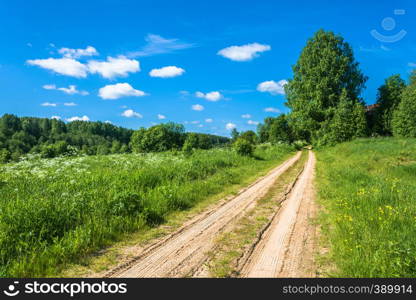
x=182 y=252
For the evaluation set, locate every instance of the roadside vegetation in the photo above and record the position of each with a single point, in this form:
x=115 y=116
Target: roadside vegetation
x=367 y=189
x=54 y=211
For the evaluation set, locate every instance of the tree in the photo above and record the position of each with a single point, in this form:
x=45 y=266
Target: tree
x=234 y=134
x=404 y=117
x=325 y=68
x=250 y=136
x=243 y=147
x=348 y=122
x=158 y=138
x=191 y=142
x=388 y=98
x=280 y=130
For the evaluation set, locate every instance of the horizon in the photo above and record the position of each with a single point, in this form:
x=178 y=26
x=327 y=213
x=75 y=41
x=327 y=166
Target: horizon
x=209 y=66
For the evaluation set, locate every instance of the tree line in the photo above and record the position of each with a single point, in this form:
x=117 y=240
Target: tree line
x=51 y=138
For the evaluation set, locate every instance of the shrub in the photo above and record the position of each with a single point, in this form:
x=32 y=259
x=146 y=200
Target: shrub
x=244 y=147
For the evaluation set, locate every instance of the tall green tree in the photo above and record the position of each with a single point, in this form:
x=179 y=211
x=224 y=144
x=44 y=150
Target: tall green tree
x=404 y=117
x=388 y=98
x=347 y=123
x=324 y=69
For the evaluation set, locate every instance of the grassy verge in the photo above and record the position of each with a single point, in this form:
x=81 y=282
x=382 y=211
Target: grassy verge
x=232 y=245
x=60 y=211
x=368 y=191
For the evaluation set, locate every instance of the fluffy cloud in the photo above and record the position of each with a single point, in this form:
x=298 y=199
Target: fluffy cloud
x=63 y=66
x=159 y=45
x=118 y=90
x=211 y=96
x=167 y=72
x=230 y=126
x=250 y=122
x=161 y=117
x=129 y=113
x=71 y=90
x=55 y=117
x=272 y=87
x=243 y=53
x=197 y=107
x=77 y=53
x=114 y=67
x=70 y=104
x=272 y=109
x=83 y=118
x=209 y=120
x=246 y=116
x=49 y=104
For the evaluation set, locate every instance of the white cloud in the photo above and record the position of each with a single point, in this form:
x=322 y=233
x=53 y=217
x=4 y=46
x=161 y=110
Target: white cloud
x=83 y=118
x=56 y=117
x=70 y=104
x=63 y=66
x=77 y=53
x=161 y=117
x=49 y=104
x=167 y=72
x=129 y=113
x=114 y=67
x=108 y=122
x=201 y=125
x=246 y=116
x=195 y=122
x=159 y=45
x=118 y=90
x=209 y=120
x=272 y=87
x=250 y=122
x=272 y=109
x=211 y=96
x=49 y=87
x=243 y=53
x=197 y=107
x=230 y=126
x=71 y=90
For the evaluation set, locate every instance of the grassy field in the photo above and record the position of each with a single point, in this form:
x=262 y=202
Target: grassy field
x=55 y=211
x=367 y=189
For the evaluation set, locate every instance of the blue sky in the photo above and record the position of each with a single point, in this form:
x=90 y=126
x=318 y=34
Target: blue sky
x=210 y=65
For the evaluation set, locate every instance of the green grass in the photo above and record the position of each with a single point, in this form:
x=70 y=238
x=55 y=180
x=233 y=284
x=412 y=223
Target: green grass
x=55 y=212
x=367 y=189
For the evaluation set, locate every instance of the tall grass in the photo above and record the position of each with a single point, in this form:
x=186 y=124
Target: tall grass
x=368 y=191
x=55 y=211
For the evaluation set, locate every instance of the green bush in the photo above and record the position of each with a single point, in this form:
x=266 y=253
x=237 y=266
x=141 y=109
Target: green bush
x=243 y=147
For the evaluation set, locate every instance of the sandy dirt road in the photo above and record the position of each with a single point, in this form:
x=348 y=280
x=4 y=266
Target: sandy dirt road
x=286 y=248
x=182 y=252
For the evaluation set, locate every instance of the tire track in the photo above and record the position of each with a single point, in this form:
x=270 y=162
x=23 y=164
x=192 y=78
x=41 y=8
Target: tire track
x=281 y=249
x=183 y=251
